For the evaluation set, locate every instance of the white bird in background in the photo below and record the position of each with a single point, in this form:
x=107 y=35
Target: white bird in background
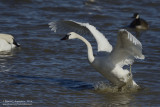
x=7 y=42
x=111 y=64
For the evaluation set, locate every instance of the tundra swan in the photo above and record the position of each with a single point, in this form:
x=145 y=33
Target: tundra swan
x=7 y=42
x=110 y=65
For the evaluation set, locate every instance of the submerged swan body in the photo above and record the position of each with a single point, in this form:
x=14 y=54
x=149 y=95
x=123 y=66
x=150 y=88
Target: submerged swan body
x=110 y=65
x=7 y=42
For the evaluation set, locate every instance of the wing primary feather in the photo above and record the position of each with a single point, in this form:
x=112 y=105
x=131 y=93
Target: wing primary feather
x=133 y=39
x=127 y=49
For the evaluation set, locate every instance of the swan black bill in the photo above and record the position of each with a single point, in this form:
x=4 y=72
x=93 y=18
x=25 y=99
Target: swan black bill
x=65 y=38
x=15 y=43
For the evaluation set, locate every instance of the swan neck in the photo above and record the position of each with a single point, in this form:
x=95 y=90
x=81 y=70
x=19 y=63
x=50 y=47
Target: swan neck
x=89 y=47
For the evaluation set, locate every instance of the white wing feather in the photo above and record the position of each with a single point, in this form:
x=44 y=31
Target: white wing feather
x=82 y=28
x=127 y=49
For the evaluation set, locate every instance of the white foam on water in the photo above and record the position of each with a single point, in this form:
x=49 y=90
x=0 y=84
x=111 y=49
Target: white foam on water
x=109 y=88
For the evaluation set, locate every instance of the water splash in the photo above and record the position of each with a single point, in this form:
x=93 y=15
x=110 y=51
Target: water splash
x=109 y=88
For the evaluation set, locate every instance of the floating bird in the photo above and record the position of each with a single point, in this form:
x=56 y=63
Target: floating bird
x=110 y=65
x=7 y=42
x=138 y=23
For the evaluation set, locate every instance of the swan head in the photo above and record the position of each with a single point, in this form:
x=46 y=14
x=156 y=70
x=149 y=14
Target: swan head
x=71 y=35
x=135 y=15
x=10 y=39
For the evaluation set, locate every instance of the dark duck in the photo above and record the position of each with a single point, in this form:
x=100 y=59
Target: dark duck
x=138 y=23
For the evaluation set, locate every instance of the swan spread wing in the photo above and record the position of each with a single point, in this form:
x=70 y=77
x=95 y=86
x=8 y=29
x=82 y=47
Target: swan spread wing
x=82 y=28
x=127 y=49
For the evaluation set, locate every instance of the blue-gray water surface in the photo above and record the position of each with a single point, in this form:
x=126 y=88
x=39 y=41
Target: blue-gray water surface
x=48 y=72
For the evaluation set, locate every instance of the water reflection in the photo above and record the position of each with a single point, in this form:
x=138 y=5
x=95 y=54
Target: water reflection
x=113 y=100
x=4 y=60
x=5 y=68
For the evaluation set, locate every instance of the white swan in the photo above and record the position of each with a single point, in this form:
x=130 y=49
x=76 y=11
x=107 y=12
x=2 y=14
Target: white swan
x=7 y=42
x=110 y=65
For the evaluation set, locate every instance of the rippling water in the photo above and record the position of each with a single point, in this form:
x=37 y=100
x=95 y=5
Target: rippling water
x=49 y=72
